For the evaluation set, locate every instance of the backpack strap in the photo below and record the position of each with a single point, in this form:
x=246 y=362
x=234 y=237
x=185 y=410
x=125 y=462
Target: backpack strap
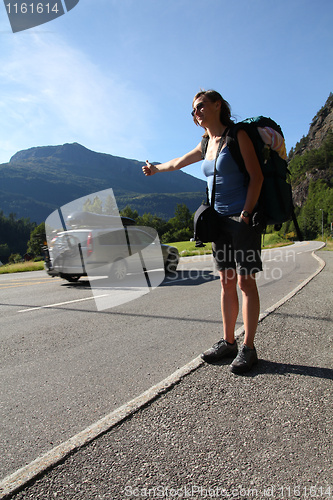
x=212 y=201
x=204 y=145
x=233 y=146
x=205 y=141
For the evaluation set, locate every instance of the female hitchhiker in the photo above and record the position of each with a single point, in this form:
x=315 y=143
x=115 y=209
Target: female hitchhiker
x=237 y=250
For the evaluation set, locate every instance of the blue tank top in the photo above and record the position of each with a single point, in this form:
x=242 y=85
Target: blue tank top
x=230 y=191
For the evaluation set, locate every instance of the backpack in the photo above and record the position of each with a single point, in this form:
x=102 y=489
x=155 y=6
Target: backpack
x=275 y=204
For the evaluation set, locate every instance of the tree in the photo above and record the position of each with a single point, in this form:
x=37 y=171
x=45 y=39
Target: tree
x=14 y=234
x=87 y=205
x=37 y=240
x=110 y=206
x=4 y=251
x=180 y=226
x=15 y=258
x=128 y=212
x=153 y=221
x=97 y=207
x=183 y=216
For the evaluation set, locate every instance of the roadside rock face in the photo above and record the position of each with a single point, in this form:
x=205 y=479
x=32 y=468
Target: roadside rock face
x=300 y=192
x=321 y=124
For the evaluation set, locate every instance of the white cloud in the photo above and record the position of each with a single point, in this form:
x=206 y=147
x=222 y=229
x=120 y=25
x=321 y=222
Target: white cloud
x=52 y=93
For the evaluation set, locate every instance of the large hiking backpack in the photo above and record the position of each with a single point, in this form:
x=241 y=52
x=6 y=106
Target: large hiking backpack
x=275 y=204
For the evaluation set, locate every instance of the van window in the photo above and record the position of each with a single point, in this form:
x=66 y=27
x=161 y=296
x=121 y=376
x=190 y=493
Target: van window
x=113 y=238
x=141 y=238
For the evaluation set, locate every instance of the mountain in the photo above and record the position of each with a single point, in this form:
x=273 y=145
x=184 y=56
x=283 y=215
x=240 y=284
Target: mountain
x=311 y=159
x=311 y=168
x=39 y=180
x=320 y=127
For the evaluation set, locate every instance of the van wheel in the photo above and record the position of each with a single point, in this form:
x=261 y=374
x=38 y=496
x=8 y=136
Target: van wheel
x=118 y=270
x=70 y=278
x=171 y=264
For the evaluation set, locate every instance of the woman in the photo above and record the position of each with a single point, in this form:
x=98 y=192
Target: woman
x=237 y=252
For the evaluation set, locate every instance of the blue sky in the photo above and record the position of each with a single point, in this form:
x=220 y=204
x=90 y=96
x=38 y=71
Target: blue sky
x=118 y=77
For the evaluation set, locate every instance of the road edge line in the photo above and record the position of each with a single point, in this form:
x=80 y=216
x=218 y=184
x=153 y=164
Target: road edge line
x=16 y=481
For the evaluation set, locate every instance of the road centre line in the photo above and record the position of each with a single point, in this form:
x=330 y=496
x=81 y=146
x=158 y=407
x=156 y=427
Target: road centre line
x=48 y=306
x=18 y=285
x=17 y=282
x=15 y=278
x=175 y=281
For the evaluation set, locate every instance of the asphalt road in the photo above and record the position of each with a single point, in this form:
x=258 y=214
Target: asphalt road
x=65 y=365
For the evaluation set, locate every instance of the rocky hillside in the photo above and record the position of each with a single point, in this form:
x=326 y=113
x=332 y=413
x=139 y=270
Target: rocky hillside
x=320 y=126
x=310 y=160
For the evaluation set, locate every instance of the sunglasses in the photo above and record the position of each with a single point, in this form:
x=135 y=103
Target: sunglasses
x=198 y=108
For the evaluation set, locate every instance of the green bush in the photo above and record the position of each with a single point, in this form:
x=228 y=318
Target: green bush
x=15 y=258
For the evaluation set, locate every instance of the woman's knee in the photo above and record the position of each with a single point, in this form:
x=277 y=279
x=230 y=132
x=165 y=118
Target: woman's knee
x=228 y=279
x=247 y=283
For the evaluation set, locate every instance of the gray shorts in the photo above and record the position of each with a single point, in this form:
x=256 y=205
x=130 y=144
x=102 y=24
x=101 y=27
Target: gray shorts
x=239 y=247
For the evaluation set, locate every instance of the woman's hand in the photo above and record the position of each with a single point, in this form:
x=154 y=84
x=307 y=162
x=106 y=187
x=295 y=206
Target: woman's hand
x=245 y=219
x=189 y=158
x=149 y=169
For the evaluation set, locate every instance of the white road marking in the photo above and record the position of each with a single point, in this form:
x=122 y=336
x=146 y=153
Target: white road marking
x=59 y=304
x=49 y=306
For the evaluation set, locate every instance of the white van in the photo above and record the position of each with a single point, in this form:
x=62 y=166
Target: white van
x=114 y=251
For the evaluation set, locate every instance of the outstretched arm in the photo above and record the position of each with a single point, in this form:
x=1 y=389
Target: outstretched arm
x=175 y=164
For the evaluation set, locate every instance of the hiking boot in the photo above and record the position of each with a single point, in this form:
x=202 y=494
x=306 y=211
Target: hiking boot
x=245 y=360
x=220 y=350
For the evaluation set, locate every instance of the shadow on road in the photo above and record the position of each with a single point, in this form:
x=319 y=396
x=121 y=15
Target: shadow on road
x=273 y=368
x=192 y=277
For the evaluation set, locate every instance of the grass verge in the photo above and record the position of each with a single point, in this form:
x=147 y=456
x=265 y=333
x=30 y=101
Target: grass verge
x=22 y=267
x=328 y=245
x=188 y=248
